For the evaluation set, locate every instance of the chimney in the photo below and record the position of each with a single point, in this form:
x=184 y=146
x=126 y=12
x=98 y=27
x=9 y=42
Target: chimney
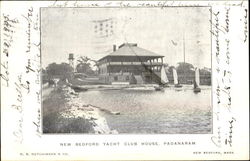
x=114 y=48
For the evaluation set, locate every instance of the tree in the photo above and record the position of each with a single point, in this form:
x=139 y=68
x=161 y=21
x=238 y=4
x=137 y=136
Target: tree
x=84 y=66
x=43 y=71
x=170 y=69
x=183 y=67
x=62 y=69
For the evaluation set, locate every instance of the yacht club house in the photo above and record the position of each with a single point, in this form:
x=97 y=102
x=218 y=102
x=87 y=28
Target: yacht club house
x=130 y=64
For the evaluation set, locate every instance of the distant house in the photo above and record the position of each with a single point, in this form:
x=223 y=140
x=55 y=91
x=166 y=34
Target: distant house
x=130 y=63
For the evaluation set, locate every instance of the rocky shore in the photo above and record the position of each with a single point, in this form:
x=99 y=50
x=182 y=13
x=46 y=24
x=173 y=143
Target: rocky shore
x=76 y=108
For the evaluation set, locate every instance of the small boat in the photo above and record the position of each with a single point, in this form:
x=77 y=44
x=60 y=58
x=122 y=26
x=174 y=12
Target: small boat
x=78 y=89
x=197 y=81
x=159 y=88
x=176 y=82
x=178 y=85
x=164 y=77
x=164 y=80
x=197 y=90
x=165 y=85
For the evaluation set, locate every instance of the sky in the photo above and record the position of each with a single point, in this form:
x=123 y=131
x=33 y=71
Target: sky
x=92 y=32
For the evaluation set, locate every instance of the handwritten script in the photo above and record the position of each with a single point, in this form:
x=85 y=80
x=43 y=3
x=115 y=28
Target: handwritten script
x=8 y=31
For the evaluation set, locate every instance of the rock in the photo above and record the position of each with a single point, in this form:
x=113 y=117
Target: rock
x=77 y=108
x=116 y=113
x=92 y=118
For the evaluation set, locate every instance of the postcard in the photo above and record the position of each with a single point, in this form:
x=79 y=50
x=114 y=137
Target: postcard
x=124 y=80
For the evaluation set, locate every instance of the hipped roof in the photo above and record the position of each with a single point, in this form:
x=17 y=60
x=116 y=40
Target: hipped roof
x=129 y=49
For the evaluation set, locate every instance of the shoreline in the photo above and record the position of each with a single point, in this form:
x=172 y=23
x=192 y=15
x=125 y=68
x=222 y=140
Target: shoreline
x=64 y=112
x=136 y=87
x=76 y=108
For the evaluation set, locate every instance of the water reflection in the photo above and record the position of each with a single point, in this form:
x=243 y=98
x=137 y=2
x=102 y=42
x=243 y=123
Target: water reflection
x=143 y=111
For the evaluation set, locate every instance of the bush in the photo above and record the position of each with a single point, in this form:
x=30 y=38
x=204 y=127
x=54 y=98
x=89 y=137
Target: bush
x=54 y=123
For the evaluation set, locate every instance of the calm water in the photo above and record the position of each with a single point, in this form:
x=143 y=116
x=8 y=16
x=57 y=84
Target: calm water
x=168 y=111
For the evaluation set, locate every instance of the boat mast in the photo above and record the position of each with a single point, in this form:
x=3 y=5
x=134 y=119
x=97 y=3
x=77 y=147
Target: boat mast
x=184 y=49
x=184 y=54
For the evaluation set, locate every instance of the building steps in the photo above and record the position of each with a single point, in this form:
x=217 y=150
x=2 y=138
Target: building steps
x=139 y=79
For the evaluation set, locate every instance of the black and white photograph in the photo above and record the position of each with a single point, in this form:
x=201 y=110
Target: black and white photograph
x=126 y=70
x=124 y=80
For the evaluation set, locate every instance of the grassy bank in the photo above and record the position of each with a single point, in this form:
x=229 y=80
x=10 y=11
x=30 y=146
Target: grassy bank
x=53 y=122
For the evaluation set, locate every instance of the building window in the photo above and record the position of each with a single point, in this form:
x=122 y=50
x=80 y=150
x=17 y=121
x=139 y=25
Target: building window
x=115 y=78
x=127 y=78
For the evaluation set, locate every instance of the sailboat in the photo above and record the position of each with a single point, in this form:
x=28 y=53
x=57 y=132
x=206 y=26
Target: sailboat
x=176 y=82
x=164 y=77
x=197 y=81
x=164 y=80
